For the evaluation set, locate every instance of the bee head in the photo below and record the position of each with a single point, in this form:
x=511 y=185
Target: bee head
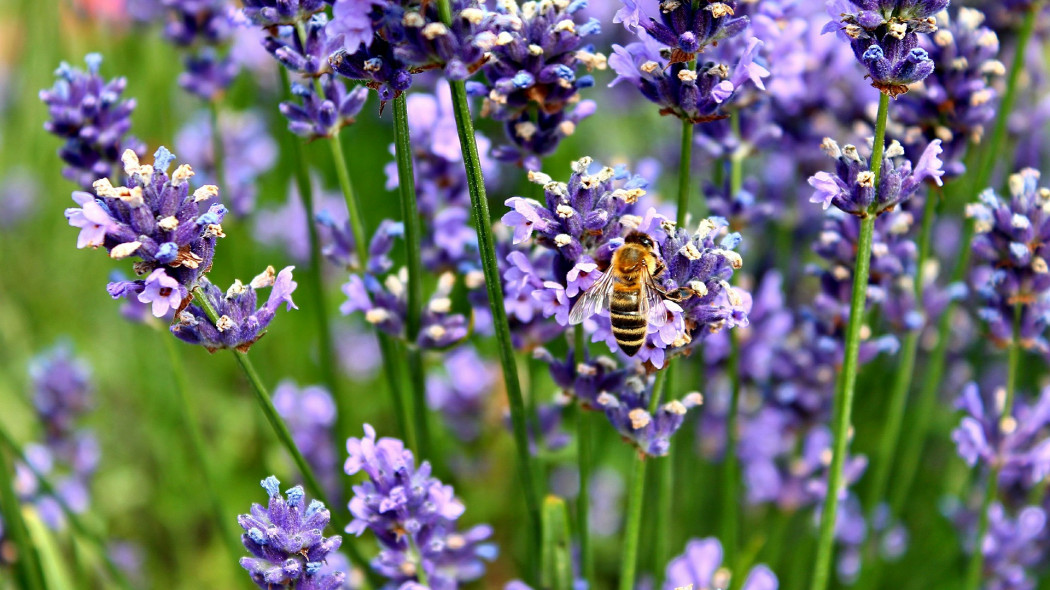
x=642 y=239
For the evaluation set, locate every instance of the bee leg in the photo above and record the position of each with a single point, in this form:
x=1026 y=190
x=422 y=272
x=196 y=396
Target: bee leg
x=660 y=268
x=681 y=293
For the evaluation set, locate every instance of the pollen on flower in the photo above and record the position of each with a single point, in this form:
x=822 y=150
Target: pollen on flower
x=224 y=323
x=237 y=288
x=720 y=9
x=213 y=230
x=182 y=175
x=866 y=179
x=639 y=418
x=567 y=128
x=377 y=315
x=675 y=407
x=898 y=30
x=690 y=251
x=169 y=223
x=538 y=177
x=586 y=370
x=698 y=287
x=694 y=399
x=535 y=50
x=124 y=250
x=436 y=332
x=606 y=399
x=205 y=192
x=434 y=30
x=562 y=240
x=264 y=279
x=440 y=305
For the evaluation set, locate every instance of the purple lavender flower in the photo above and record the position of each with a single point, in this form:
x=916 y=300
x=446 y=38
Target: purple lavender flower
x=19 y=192
x=884 y=37
x=701 y=566
x=1017 y=444
x=409 y=37
x=852 y=187
x=287 y=542
x=955 y=102
x=384 y=301
x=1014 y=547
x=90 y=115
x=413 y=516
x=62 y=390
x=155 y=219
x=1011 y=247
x=310 y=413
x=314 y=117
x=684 y=27
x=532 y=80
x=248 y=149
x=239 y=323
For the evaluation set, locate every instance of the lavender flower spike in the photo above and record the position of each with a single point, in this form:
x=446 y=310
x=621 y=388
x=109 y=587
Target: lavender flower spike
x=88 y=112
x=852 y=187
x=239 y=324
x=413 y=516
x=156 y=220
x=287 y=543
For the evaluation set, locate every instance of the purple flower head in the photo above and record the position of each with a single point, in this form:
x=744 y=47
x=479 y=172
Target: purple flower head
x=202 y=27
x=384 y=299
x=287 y=542
x=1017 y=443
x=68 y=466
x=154 y=219
x=884 y=36
x=306 y=55
x=1014 y=547
x=695 y=94
x=533 y=79
x=409 y=37
x=957 y=101
x=1011 y=246
x=248 y=148
x=684 y=28
x=769 y=324
x=413 y=516
x=310 y=413
x=239 y=323
x=89 y=114
x=268 y=13
x=701 y=566
x=852 y=187
x=352 y=24
x=628 y=411
x=208 y=74
x=314 y=117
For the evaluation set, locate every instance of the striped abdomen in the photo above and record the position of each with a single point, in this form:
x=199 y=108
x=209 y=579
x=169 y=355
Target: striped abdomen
x=629 y=326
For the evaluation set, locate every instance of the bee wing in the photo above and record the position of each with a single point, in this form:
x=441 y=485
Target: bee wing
x=651 y=304
x=593 y=300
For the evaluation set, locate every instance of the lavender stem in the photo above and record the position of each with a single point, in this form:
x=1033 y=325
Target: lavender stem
x=487 y=250
x=410 y=216
x=584 y=432
x=28 y=566
x=844 y=397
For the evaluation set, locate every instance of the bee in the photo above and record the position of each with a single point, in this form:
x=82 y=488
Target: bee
x=629 y=292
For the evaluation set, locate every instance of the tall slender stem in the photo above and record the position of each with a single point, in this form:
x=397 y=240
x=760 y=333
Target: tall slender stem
x=927 y=399
x=315 y=276
x=410 y=217
x=487 y=251
x=635 y=500
x=28 y=563
x=844 y=397
x=74 y=519
x=975 y=569
x=225 y=522
x=388 y=349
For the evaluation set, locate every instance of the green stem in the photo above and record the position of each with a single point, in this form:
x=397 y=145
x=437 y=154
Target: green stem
x=636 y=498
x=182 y=389
x=975 y=569
x=487 y=251
x=844 y=397
x=927 y=400
x=74 y=519
x=388 y=348
x=410 y=216
x=280 y=429
x=634 y=523
x=28 y=566
x=664 y=512
x=315 y=276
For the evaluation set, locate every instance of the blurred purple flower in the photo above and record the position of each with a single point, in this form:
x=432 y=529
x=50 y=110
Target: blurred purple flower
x=701 y=566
